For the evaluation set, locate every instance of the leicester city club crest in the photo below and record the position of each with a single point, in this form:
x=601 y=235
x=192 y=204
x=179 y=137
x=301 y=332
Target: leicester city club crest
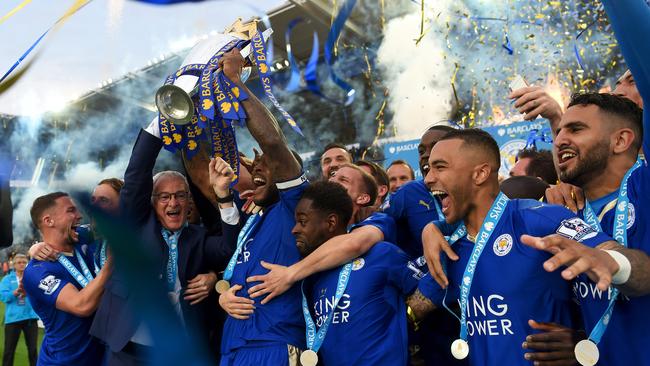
x=502 y=245
x=357 y=264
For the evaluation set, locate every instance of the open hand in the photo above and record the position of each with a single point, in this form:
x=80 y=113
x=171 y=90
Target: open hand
x=238 y=307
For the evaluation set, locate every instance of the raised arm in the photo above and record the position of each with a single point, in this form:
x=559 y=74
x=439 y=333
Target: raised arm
x=630 y=20
x=135 y=196
x=261 y=123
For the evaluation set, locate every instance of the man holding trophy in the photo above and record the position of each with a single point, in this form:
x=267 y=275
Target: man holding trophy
x=199 y=106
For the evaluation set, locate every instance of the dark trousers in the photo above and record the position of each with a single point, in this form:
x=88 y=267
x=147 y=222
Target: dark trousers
x=12 y=333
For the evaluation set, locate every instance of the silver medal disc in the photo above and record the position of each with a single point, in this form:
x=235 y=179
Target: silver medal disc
x=587 y=352
x=308 y=358
x=460 y=349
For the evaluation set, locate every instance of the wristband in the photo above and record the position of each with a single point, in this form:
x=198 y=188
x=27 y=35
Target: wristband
x=229 y=198
x=624 y=267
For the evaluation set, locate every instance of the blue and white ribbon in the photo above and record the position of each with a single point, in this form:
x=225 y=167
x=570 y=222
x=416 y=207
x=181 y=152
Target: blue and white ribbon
x=243 y=236
x=619 y=233
x=172 y=262
x=83 y=279
x=315 y=338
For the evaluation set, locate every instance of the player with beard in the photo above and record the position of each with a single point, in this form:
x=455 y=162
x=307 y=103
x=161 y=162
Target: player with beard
x=359 y=307
x=66 y=293
x=274 y=334
x=511 y=282
x=602 y=159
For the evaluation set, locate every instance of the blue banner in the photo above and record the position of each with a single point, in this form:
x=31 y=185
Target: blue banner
x=511 y=139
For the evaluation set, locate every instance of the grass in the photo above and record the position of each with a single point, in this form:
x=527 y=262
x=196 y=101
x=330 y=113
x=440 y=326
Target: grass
x=20 y=357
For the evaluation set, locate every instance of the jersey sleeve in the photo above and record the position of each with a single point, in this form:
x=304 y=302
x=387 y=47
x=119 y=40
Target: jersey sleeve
x=396 y=264
x=383 y=222
x=394 y=204
x=431 y=290
x=542 y=220
x=291 y=191
x=630 y=20
x=42 y=284
x=6 y=292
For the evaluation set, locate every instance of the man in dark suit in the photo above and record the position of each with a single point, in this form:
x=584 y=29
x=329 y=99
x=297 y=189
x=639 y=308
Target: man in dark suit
x=183 y=254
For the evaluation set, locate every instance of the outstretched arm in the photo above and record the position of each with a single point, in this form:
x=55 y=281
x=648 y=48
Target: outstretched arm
x=600 y=266
x=638 y=284
x=261 y=123
x=333 y=253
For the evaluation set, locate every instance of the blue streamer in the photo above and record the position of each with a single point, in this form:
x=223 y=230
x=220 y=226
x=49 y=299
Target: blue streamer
x=294 y=82
x=31 y=48
x=332 y=36
x=508 y=46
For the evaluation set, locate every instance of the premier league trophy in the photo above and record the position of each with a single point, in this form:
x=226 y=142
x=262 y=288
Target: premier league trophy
x=198 y=105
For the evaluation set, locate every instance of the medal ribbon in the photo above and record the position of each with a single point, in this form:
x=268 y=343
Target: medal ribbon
x=102 y=256
x=315 y=339
x=82 y=279
x=241 y=239
x=172 y=262
x=620 y=234
x=487 y=228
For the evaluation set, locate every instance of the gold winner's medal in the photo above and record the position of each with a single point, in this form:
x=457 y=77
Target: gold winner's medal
x=308 y=358
x=460 y=349
x=587 y=352
x=222 y=286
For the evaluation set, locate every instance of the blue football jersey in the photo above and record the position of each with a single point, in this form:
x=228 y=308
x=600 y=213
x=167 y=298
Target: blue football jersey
x=271 y=241
x=630 y=317
x=66 y=340
x=510 y=285
x=381 y=221
x=369 y=324
x=413 y=207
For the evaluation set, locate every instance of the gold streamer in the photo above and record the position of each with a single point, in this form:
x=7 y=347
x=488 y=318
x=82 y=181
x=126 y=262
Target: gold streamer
x=14 y=11
x=422 y=32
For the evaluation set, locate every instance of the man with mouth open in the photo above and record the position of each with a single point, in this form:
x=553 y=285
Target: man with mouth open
x=498 y=280
x=66 y=293
x=274 y=334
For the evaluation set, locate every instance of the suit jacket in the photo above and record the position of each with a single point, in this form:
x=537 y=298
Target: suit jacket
x=198 y=252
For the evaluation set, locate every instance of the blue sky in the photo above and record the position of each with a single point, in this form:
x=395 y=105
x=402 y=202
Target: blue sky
x=104 y=40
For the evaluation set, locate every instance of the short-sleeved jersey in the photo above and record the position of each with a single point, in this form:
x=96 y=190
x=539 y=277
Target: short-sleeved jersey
x=630 y=321
x=413 y=207
x=369 y=325
x=270 y=241
x=510 y=285
x=66 y=340
x=381 y=221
